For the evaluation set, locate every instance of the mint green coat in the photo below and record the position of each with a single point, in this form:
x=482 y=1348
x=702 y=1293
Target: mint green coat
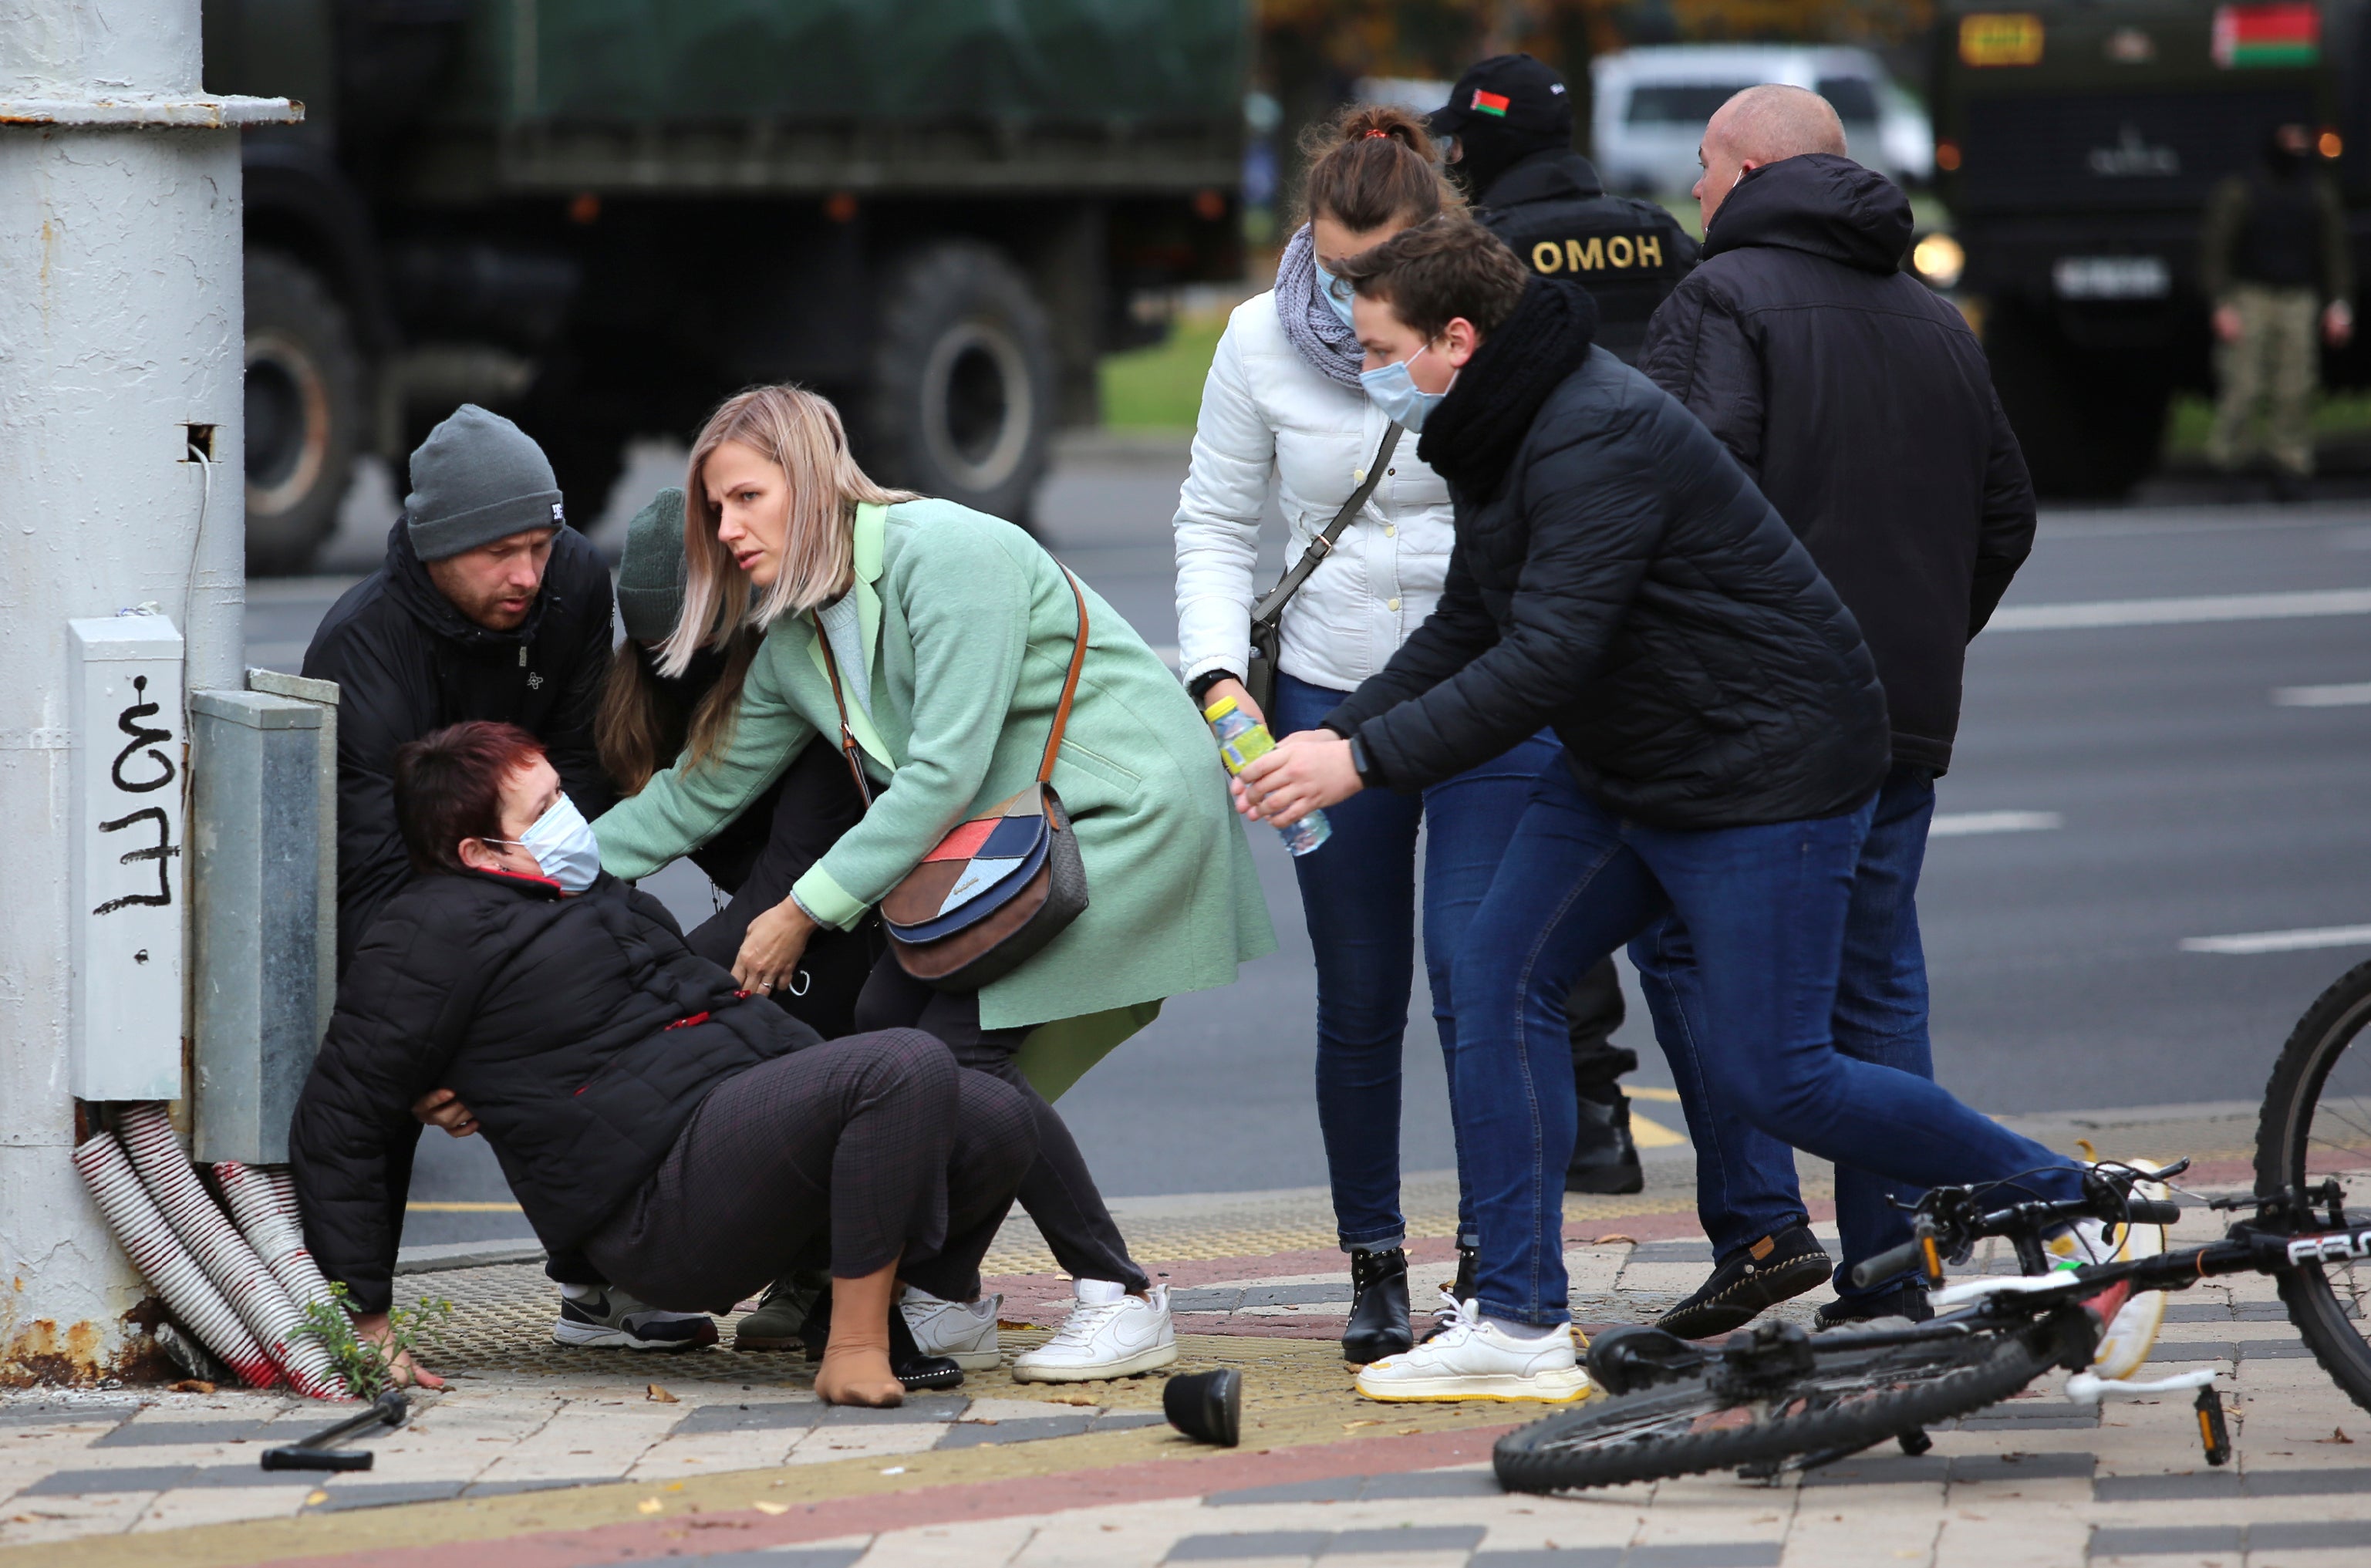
x=968 y=625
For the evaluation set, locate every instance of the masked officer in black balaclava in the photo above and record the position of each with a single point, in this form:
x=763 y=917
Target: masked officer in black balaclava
x=1512 y=119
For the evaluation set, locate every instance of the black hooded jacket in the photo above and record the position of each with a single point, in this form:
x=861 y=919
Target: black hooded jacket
x=582 y=1033
x=1861 y=404
x=1616 y=576
x=407 y=663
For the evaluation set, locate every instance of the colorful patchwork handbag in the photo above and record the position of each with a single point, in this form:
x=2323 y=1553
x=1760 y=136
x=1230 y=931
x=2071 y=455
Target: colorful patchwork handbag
x=997 y=888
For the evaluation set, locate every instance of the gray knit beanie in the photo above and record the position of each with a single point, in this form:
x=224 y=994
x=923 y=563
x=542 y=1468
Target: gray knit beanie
x=650 y=578
x=477 y=477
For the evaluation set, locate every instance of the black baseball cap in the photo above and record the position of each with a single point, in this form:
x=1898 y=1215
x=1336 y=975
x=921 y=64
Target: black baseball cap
x=1513 y=92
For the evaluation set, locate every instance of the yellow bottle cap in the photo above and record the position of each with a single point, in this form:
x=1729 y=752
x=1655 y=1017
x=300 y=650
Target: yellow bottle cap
x=1219 y=708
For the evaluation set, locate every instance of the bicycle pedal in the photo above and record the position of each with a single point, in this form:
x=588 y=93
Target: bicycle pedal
x=2213 y=1432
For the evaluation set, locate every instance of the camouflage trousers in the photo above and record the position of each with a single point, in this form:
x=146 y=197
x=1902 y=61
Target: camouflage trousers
x=2272 y=363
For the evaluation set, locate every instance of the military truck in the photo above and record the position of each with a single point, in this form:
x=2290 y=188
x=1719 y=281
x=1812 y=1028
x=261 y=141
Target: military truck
x=2075 y=144
x=603 y=215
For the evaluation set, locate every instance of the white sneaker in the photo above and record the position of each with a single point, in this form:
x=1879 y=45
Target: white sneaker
x=964 y=1332
x=2132 y=1323
x=1471 y=1359
x=1108 y=1334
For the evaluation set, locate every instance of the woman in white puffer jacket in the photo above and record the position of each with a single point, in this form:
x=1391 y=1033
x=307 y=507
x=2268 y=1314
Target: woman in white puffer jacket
x=1283 y=405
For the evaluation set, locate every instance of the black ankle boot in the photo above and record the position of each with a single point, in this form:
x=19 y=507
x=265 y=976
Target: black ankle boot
x=1604 y=1156
x=1378 y=1307
x=1468 y=1258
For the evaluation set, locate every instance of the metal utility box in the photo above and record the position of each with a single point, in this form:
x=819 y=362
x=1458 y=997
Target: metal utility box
x=128 y=886
x=257 y=840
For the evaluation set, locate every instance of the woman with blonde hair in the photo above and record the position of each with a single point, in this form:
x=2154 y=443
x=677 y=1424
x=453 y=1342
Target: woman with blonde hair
x=934 y=644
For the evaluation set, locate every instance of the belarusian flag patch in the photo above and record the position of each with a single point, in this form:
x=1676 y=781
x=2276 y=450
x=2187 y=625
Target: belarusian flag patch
x=1489 y=103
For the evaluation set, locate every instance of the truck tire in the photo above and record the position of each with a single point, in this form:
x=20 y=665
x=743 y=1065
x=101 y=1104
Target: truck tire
x=305 y=411
x=961 y=404
x=2091 y=424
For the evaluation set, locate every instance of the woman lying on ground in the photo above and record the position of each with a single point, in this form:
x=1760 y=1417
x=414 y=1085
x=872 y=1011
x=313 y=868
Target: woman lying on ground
x=936 y=642
x=692 y=1141
x=649 y=721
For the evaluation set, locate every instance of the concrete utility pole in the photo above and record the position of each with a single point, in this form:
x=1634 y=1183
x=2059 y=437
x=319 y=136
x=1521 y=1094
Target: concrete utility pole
x=121 y=352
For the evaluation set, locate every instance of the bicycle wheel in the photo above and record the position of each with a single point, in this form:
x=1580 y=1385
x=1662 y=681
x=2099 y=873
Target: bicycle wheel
x=1847 y=1403
x=2316 y=1127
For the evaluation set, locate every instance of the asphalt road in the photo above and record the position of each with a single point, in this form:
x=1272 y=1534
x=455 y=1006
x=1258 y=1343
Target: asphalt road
x=2131 y=777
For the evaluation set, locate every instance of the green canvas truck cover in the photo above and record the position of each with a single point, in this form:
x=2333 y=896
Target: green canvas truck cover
x=1107 y=64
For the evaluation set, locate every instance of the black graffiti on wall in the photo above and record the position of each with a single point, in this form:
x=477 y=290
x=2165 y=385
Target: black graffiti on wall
x=143 y=738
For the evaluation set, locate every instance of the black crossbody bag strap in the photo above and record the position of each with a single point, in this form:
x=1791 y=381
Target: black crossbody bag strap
x=1268 y=614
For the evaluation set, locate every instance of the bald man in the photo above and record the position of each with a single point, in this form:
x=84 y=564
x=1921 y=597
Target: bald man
x=1861 y=404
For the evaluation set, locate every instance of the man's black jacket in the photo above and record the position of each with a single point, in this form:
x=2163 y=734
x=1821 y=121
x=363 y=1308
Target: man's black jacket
x=1862 y=406
x=1616 y=575
x=559 y=1021
x=1554 y=214
x=407 y=663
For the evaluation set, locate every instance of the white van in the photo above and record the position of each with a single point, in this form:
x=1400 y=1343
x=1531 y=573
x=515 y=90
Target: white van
x=1651 y=105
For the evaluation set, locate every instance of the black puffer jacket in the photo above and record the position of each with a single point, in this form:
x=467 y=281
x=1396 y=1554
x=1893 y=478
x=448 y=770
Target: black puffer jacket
x=408 y=663
x=1554 y=214
x=1618 y=577
x=559 y=1021
x=1861 y=404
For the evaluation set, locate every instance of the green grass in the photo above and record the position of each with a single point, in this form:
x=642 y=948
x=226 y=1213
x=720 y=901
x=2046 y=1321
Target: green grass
x=2335 y=414
x=1160 y=388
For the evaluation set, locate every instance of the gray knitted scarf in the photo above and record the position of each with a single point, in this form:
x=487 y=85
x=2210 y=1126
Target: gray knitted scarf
x=1331 y=348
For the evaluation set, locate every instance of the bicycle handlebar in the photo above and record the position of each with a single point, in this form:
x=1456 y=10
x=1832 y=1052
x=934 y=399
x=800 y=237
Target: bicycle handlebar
x=1874 y=1271
x=2153 y=1211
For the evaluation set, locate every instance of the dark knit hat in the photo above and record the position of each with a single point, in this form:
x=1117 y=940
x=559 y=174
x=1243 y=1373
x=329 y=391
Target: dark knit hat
x=649 y=579
x=477 y=477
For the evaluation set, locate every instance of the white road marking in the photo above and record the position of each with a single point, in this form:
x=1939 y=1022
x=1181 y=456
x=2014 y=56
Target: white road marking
x=2354 y=696
x=2281 y=942
x=2182 y=612
x=1962 y=825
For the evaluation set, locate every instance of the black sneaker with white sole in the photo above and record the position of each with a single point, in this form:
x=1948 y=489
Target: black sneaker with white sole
x=1748 y=1282
x=603 y=1316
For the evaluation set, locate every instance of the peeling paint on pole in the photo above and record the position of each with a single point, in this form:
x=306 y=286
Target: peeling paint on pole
x=119 y=197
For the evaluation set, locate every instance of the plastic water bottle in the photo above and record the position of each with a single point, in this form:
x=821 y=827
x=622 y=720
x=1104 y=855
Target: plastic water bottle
x=1242 y=738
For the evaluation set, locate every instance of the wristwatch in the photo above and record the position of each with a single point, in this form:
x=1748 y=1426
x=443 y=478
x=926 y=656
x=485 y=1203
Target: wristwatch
x=1369 y=774
x=1199 y=689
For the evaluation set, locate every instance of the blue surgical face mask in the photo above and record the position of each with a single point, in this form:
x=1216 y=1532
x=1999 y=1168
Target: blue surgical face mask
x=1395 y=391
x=562 y=844
x=1337 y=294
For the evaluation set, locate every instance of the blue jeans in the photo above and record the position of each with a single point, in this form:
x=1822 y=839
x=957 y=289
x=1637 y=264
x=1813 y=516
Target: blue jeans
x=1765 y=907
x=1358 y=892
x=1745 y=1179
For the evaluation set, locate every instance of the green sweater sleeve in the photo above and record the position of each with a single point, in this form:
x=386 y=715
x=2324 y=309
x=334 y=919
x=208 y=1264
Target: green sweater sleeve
x=683 y=808
x=967 y=604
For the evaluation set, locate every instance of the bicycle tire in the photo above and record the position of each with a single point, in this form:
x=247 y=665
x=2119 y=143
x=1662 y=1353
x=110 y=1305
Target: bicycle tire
x=2285 y=1138
x=1904 y=1388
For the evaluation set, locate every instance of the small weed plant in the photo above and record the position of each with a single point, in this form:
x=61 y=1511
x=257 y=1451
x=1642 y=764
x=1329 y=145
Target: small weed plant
x=367 y=1366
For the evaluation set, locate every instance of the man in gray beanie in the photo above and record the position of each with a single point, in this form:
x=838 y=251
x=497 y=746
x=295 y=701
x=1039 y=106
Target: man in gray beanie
x=489 y=607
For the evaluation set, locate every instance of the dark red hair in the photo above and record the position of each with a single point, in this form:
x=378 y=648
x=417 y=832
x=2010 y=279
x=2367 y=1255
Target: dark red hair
x=448 y=787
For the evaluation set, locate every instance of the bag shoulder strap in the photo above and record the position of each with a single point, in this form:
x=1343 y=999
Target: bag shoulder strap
x=848 y=747
x=1323 y=545
x=1061 y=711
x=1069 y=684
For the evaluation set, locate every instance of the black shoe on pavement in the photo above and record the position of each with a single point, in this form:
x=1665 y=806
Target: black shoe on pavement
x=913 y=1368
x=1902 y=1301
x=1604 y=1156
x=1750 y=1282
x=1460 y=1290
x=1378 y=1307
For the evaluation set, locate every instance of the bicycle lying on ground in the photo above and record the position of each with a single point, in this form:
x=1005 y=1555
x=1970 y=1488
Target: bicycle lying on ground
x=1777 y=1398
